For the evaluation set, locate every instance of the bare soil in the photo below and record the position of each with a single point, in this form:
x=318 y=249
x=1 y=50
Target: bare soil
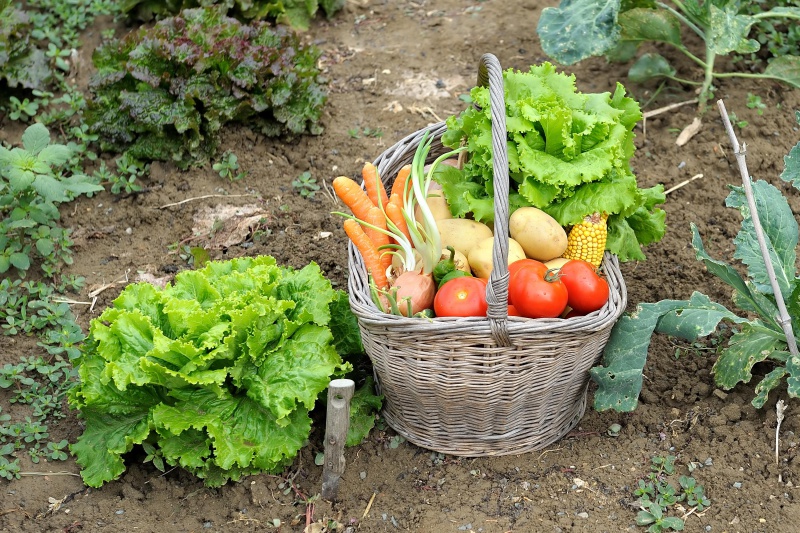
x=394 y=67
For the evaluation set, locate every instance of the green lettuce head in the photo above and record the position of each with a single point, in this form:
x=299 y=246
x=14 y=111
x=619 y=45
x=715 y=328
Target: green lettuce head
x=568 y=154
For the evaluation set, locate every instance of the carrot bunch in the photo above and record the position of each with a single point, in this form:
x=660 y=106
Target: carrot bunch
x=375 y=209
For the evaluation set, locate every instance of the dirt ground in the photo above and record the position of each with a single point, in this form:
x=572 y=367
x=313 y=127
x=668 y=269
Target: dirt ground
x=395 y=67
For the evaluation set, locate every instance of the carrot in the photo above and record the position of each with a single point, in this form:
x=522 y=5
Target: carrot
x=369 y=252
x=353 y=196
x=399 y=185
x=377 y=218
x=374 y=185
x=394 y=210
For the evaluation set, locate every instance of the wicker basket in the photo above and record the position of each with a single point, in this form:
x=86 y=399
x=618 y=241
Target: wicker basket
x=481 y=386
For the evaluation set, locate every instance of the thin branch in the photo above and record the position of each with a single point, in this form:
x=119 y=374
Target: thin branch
x=783 y=319
x=683 y=184
x=206 y=196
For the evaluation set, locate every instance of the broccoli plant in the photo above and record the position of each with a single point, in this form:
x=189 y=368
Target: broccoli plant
x=578 y=29
x=164 y=93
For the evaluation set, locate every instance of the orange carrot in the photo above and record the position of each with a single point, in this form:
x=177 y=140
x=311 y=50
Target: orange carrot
x=399 y=185
x=353 y=196
x=369 y=252
x=394 y=211
x=377 y=218
x=374 y=185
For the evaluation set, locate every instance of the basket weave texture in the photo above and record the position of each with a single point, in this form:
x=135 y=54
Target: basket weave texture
x=481 y=386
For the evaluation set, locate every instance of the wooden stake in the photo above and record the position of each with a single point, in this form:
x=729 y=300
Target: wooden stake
x=340 y=391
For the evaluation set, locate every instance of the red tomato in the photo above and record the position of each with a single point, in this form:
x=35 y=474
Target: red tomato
x=536 y=294
x=587 y=291
x=464 y=296
x=516 y=265
x=512 y=311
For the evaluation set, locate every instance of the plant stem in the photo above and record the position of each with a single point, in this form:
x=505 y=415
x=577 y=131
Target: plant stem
x=681 y=80
x=683 y=18
x=784 y=319
x=708 y=78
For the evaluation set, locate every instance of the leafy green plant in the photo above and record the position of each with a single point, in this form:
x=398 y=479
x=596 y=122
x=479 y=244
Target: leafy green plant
x=357 y=133
x=759 y=332
x=653 y=515
x=776 y=37
x=21 y=64
x=227 y=166
x=656 y=495
x=296 y=13
x=42 y=385
x=305 y=185
x=217 y=372
x=578 y=29
x=158 y=101
x=568 y=154
x=31 y=189
x=754 y=102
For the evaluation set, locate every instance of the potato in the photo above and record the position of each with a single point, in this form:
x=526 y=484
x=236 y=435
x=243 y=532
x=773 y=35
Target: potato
x=462 y=234
x=558 y=262
x=480 y=257
x=539 y=234
x=437 y=204
x=459 y=259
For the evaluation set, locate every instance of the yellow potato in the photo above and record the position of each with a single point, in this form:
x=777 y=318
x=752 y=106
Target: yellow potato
x=459 y=259
x=480 y=257
x=437 y=204
x=462 y=234
x=558 y=262
x=539 y=234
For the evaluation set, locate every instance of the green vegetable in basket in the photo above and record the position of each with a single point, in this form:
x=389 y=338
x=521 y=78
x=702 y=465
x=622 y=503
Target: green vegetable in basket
x=568 y=153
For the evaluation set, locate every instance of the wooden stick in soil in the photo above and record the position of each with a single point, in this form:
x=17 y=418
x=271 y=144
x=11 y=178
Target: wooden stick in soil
x=340 y=391
x=780 y=407
x=783 y=319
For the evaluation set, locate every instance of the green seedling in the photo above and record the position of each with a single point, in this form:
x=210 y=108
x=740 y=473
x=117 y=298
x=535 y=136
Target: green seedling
x=653 y=516
x=305 y=185
x=754 y=102
x=227 y=167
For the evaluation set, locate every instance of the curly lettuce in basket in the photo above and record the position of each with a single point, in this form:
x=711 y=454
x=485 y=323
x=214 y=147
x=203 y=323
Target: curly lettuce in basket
x=216 y=373
x=568 y=154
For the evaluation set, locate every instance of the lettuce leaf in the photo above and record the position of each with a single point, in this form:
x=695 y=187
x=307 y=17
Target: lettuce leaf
x=219 y=370
x=569 y=154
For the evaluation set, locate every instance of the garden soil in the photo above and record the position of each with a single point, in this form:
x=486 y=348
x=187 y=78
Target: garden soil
x=395 y=67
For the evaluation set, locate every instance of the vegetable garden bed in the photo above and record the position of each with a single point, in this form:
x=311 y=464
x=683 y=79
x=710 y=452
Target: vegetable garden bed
x=373 y=54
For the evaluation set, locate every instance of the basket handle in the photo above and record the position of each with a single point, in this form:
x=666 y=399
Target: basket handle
x=491 y=74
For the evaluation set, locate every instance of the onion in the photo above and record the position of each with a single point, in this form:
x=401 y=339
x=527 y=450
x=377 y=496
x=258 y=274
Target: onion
x=419 y=288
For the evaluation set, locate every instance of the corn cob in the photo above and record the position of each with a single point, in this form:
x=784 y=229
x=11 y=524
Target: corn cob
x=587 y=240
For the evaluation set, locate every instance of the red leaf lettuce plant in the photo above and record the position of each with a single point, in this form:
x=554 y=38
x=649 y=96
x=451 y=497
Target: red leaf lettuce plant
x=295 y=13
x=164 y=93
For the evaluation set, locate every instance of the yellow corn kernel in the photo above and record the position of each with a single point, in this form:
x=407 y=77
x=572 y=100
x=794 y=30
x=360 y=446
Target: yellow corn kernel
x=587 y=240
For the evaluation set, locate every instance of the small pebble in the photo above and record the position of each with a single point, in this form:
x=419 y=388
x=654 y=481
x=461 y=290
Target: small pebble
x=737 y=485
x=682 y=164
x=583 y=515
x=208 y=525
x=362 y=475
x=128 y=231
x=465 y=527
x=708 y=528
x=120 y=511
